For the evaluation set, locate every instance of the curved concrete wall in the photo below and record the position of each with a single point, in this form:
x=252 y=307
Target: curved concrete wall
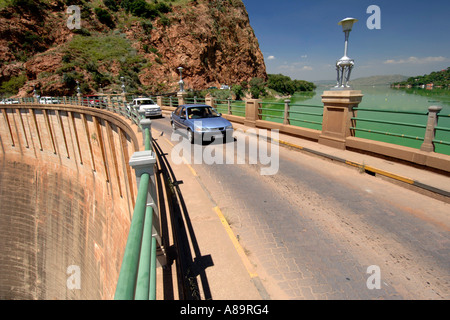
x=66 y=200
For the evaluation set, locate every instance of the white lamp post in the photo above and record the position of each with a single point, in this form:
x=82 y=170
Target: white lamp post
x=181 y=82
x=345 y=65
x=123 y=84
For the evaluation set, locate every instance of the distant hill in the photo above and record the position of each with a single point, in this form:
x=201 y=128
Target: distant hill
x=366 y=81
x=384 y=80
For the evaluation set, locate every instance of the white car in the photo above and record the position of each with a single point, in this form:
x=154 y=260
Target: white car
x=146 y=104
x=48 y=100
x=9 y=101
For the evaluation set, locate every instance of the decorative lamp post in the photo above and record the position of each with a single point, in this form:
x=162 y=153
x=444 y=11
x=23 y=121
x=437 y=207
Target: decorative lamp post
x=123 y=85
x=345 y=65
x=78 y=89
x=181 y=82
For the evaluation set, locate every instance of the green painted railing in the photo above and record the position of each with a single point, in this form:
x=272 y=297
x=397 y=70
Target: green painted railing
x=300 y=115
x=137 y=278
x=406 y=128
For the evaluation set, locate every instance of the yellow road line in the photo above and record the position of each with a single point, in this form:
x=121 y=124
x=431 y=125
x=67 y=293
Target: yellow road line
x=236 y=243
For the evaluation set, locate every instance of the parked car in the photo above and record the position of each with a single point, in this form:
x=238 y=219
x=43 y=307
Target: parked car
x=48 y=100
x=93 y=100
x=199 y=119
x=9 y=101
x=146 y=104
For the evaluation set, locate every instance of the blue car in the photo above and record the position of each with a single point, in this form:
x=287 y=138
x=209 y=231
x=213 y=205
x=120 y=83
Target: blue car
x=200 y=120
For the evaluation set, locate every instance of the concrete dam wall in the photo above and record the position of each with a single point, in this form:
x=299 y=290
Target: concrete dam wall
x=66 y=199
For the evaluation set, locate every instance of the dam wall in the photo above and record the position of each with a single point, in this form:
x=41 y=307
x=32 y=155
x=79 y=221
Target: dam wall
x=66 y=200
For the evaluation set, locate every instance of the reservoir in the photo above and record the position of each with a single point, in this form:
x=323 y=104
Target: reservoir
x=385 y=114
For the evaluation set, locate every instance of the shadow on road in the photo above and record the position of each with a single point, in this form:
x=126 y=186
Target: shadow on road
x=189 y=264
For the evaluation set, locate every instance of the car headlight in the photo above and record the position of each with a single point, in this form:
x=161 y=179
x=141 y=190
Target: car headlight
x=198 y=129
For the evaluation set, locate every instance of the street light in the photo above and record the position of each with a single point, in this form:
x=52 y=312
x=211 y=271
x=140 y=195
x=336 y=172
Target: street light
x=78 y=88
x=123 y=84
x=181 y=82
x=345 y=65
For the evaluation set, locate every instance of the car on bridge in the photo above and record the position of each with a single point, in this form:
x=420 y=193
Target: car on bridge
x=200 y=120
x=146 y=105
x=48 y=100
x=93 y=100
x=9 y=101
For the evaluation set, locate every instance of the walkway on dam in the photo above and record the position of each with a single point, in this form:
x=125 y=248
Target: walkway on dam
x=321 y=228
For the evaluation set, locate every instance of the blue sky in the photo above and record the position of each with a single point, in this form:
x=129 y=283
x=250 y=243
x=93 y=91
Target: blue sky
x=301 y=39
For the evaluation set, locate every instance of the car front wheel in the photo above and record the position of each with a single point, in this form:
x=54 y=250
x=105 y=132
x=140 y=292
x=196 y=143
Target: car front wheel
x=190 y=136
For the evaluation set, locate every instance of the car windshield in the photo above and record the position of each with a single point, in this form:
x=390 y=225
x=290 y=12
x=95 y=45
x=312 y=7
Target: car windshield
x=202 y=112
x=148 y=101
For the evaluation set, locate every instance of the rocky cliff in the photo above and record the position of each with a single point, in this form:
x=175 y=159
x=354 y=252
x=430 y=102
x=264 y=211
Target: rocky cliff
x=143 y=41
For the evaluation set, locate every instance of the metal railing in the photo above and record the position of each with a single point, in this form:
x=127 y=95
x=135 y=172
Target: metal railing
x=405 y=128
x=301 y=115
x=231 y=107
x=137 y=278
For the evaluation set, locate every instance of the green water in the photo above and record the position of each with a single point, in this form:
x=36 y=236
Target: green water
x=406 y=101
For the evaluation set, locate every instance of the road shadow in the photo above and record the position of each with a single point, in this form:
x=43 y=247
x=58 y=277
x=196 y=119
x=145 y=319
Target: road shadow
x=189 y=265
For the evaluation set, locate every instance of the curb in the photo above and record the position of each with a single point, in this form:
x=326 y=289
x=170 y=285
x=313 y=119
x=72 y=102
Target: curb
x=369 y=169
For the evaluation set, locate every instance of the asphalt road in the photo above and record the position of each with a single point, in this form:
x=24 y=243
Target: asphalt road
x=320 y=230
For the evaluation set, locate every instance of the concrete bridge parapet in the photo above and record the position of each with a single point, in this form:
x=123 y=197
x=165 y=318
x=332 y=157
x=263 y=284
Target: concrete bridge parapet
x=67 y=195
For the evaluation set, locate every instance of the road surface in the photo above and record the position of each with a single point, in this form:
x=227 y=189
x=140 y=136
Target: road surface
x=321 y=230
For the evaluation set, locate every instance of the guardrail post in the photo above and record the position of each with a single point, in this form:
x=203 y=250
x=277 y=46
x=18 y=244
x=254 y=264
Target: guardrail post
x=286 y=111
x=430 y=131
x=195 y=99
x=229 y=105
x=337 y=116
x=210 y=102
x=252 y=107
x=181 y=97
x=159 y=101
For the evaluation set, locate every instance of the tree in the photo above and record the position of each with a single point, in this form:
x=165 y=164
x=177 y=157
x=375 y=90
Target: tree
x=257 y=87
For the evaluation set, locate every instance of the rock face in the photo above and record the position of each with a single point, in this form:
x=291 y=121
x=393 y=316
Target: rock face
x=211 y=39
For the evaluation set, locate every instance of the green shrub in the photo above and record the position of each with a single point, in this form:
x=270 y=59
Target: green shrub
x=111 y=5
x=104 y=17
x=12 y=86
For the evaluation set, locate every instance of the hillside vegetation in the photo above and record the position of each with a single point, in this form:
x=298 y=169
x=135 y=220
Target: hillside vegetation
x=143 y=41
x=438 y=78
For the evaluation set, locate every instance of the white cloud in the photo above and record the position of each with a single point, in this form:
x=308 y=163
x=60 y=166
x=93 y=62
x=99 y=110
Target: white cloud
x=309 y=68
x=304 y=56
x=271 y=58
x=415 y=60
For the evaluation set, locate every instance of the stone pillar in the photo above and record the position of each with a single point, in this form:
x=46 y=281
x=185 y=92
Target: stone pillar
x=181 y=97
x=428 y=144
x=252 y=112
x=210 y=102
x=337 y=114
x=159 y=101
